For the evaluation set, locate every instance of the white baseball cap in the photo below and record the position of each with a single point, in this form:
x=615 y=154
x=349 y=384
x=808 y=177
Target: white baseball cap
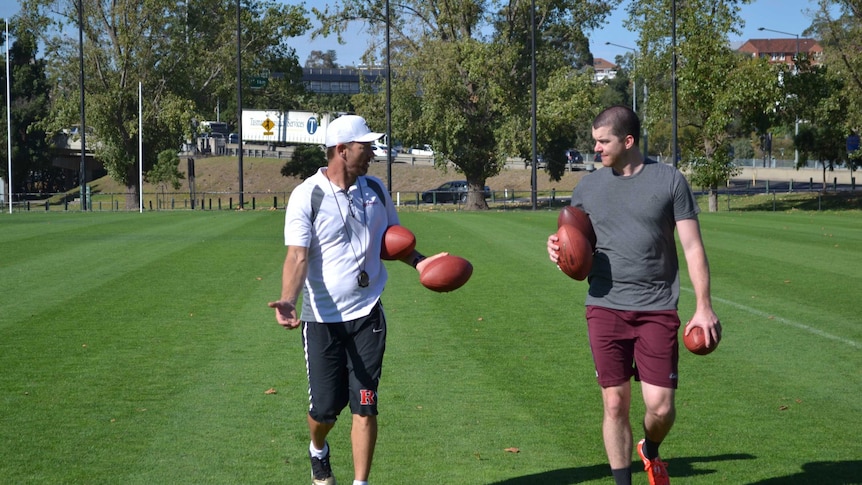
x=348 y=128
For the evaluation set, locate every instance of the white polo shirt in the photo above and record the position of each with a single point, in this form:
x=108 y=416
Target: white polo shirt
x=343 y=240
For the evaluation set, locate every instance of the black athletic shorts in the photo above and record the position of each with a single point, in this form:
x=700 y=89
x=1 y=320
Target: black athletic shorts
x=344 y=362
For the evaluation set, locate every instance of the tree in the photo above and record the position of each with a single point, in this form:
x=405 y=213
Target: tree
x=817 y=98
x=31 y=155
x=305 y=161
x=717 y=90
x=841 y=37
x=165 y=172
x=467 y=93
x=323 y=60
x=184 y=56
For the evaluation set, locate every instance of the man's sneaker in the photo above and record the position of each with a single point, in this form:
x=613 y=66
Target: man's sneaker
x=321 y=472
x=656 y=469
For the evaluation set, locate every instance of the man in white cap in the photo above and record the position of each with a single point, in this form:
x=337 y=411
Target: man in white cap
x=333 y=232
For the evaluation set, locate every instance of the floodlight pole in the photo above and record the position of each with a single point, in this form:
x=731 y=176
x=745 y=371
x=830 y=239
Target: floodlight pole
x=673 y=94
x=8 y=118
x=389 y=143
x=534 y=196
x=795 y=71
x=83 y=130
x=239 y=101
x=141 y=147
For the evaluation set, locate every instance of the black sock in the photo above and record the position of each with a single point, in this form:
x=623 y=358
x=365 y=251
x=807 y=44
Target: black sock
x=622 y=476
x=650 y=449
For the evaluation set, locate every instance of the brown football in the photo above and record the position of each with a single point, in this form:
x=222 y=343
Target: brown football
x=696 y=343
x=576 y=217
x=398 y=242
x=575 y=253
x=446 y=273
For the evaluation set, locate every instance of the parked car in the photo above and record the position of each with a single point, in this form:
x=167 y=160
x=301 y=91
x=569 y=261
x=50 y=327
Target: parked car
x=424 y=150
x=454 y=191
x=381 y=150
x=574 y=160
x=540 y=161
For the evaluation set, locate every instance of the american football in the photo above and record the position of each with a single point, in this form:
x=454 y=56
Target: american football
x=398 y=242
x=575 y=253
x=696 y=343
x=574 y=216
x=446 y=273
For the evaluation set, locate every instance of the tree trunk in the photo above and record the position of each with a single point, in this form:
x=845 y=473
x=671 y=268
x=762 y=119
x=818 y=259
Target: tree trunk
x=132 y=198
x=824 y=177
x=476 y=197
x=713 y=199
x=475 y=201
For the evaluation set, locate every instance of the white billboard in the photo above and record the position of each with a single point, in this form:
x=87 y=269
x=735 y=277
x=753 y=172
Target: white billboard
x=271 y=126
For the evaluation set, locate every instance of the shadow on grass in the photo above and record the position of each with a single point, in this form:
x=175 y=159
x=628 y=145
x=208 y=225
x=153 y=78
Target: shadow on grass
x=679 y=467
x=822 y=473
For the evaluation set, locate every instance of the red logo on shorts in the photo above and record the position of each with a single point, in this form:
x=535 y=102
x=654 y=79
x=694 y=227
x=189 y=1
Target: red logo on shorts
x=367 y=397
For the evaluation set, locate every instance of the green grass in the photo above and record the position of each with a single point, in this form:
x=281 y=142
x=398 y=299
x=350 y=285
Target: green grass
x=138 y=348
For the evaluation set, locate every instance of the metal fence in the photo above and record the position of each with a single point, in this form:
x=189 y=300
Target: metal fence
x=221 y=201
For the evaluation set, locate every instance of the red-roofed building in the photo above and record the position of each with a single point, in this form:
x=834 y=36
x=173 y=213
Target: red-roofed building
x=604 y=70
x=779 y=51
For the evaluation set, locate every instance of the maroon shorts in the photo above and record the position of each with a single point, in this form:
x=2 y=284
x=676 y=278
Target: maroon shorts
x=633 y=343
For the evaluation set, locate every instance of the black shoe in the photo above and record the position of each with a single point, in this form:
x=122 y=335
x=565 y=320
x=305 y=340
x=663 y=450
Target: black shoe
x=321 y=472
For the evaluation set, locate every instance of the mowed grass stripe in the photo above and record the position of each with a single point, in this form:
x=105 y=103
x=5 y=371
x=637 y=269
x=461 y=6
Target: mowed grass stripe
x=117 y=350
x=104 y=249
x=773 y=375
x=485 y=351
x=793 y=266
x=171 y=385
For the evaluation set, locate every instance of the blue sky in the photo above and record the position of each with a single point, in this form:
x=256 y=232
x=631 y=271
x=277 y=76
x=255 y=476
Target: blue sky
x=784 y=15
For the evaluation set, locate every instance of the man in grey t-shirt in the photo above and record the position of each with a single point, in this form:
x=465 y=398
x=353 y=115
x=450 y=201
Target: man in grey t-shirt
x=635 y=205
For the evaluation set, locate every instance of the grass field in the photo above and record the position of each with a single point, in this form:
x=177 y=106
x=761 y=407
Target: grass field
x=138 y=349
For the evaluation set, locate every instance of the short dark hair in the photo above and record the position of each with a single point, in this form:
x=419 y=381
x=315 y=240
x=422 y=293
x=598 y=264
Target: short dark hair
x=621 y=120
x=330 y=152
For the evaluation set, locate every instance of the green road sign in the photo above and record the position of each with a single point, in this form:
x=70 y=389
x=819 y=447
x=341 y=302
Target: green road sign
x=259 y=82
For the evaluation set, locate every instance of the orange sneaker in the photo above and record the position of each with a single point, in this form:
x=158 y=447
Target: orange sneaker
x=656 y=469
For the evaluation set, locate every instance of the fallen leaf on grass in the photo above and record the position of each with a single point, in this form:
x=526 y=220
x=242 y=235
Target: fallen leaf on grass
x=271 y=390
x=783 y=407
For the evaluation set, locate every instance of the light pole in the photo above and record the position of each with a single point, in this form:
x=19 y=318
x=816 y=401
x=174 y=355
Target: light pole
x=795 y=71
x=673 y=93
x=8 y=118
x=239 y=102
x=634 y=80
x=83 y=169
x=635 y=96
x=534 y=196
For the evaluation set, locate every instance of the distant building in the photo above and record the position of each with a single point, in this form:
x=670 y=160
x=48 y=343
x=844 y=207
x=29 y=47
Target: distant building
x=782 y=51
x=604 y=70
x=344 y=80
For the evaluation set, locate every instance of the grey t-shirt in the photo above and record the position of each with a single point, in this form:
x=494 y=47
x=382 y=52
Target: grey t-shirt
x=635 y=266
